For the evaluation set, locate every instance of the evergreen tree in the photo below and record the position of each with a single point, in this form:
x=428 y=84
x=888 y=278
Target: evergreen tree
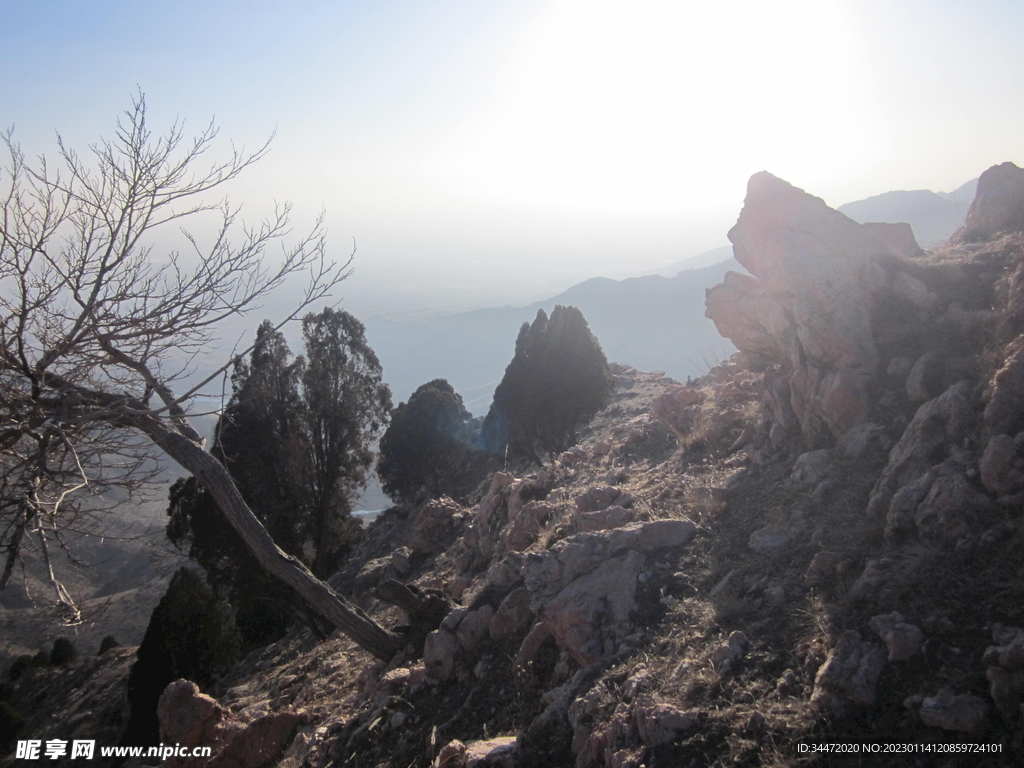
x=347 y=405
x=296 y=439
x=427 y=445
x=557 y=380
x=261 y=439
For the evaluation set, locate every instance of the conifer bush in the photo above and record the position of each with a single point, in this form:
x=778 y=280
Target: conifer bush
x=558 y=379
x=428 y=446
x=191 y=635
x=63 y=653
x=18 y=667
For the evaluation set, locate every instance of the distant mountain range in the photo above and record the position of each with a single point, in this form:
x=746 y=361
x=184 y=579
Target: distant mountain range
x=639 y=321
x=933 y=216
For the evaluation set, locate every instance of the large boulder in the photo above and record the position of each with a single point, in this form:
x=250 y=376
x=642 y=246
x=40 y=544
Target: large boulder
x=816 y=274
x=189 y=718
x=591 y=615
x=998 y=205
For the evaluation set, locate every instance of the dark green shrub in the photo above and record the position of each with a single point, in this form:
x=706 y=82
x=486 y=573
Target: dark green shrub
x=12 y=723
x=427 y=445
x=41 y=659
x=557 y=380
x=63 y=653
x=107 y=643
x=191 y=634
x=18 y=667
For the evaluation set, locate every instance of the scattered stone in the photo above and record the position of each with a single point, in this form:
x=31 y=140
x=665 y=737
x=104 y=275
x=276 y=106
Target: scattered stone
x=725 y=656
x=925 y=378
x=592 y=613
x=1006 y=687
x=601 y=520
x=953 y=509
x=812 y=467
x=899 y=237
x=756 y=723
x=434 y=526
x=532 y=643
x=439 y=651
x=1008 y=648
x=936 y=424
x=400 y=561
x=452 y=755
x=902 y=639
x=788 y=685
x=849 y=675
x=473 y=628
x=501 y=752
x=637 y=679
x=659 y=723
x=872 y=579
x=769 y=538
x=823 y=566
x=651 y=536
x=187 y=716
x=513 y=616
x=914 y=291
x=190 y=718
x=964 y=713
x=1002 y=471
x=598 y=498
x=1004 y=413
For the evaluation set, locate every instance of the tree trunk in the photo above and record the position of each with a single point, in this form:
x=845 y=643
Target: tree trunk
x=212 y=475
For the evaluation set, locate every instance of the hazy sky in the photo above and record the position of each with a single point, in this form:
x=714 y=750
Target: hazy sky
x=509 y=149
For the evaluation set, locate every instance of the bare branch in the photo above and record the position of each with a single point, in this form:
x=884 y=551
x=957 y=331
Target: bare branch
x=94 y=310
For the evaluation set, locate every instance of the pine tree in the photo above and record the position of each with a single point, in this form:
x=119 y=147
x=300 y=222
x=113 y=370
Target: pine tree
x=347 y=405
x=557 y=380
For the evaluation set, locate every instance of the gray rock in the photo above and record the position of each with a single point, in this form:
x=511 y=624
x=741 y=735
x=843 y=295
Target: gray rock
x=849 y=675
x=812 y=467
x=903 y=640
x=964 y=713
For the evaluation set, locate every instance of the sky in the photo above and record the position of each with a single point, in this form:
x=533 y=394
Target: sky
x=486 y=153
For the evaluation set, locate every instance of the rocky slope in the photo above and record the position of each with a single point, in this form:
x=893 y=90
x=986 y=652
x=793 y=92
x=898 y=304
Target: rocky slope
x=820 y=540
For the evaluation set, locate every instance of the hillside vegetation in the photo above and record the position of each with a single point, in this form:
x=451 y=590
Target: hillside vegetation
x=820 y=541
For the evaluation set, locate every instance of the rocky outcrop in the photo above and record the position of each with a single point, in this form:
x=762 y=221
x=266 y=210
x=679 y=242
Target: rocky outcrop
x=816 y=275
x=434 y=526
x=998 y=205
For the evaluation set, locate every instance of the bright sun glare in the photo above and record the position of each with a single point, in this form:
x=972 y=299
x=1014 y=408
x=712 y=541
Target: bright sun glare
x=644 y=106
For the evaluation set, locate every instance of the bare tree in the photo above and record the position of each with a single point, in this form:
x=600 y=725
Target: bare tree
x=94 y=328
